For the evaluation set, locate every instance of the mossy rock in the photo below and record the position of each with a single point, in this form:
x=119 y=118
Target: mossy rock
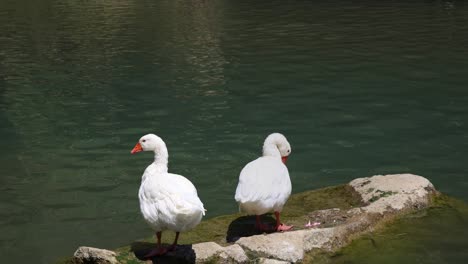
x=228 y=228
x=409 y=228
x=436 y=234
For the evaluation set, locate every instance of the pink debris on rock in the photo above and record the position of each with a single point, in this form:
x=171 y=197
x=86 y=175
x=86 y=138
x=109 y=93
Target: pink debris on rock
x=312 y=225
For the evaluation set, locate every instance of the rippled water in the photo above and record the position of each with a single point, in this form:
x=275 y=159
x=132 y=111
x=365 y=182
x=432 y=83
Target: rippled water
x=358 y=87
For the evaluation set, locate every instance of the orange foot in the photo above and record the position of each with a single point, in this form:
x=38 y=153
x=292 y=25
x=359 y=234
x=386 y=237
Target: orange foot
x=283 y=227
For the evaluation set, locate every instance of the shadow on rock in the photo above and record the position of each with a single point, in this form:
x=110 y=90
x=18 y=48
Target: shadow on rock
x=244 y=226
x=182 y=253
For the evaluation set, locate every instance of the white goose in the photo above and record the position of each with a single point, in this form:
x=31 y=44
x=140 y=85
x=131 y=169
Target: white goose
x=264 y=184
x=167 y=201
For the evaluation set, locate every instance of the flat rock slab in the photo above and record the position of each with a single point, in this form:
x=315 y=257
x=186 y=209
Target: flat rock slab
x=270 y=261
x=234 y=253
x=206 y=250
x=288 y=246
x=322 y=238
x=394 y=192
x=94 y=255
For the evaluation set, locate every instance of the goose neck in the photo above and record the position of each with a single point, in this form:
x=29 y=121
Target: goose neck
x=161 y=158
x=270 y=149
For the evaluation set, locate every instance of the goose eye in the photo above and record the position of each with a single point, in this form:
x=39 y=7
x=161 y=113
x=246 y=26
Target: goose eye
x=144 y=140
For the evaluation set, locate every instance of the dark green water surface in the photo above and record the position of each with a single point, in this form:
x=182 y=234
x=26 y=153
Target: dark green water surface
x=358 y=87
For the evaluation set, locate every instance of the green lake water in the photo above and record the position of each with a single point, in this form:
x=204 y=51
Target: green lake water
x=358 y=87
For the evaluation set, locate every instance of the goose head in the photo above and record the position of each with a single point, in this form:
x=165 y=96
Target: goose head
x=149 y=142
x=284 y=149
x=279 y=141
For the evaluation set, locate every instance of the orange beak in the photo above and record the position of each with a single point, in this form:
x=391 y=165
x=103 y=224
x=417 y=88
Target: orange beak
x=284 y=159
x=137 y=148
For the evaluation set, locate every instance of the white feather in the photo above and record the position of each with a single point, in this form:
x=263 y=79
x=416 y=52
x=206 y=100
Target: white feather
x=168 y=201
x=264 y=184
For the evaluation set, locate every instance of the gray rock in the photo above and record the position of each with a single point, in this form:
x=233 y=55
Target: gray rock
x=233 y=254
x=270 y=261
x=384 y=196
x=206 y=250
x=329 y=239
x=395 y=192
x=319 y=238
x=354 y=211
x=288 y=246
x=328 y=217
x=90 y=255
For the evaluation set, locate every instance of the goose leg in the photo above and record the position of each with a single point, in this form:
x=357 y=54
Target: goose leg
x=159 y=250
x=279 y=225
x=174 y=245
x=158 y=236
